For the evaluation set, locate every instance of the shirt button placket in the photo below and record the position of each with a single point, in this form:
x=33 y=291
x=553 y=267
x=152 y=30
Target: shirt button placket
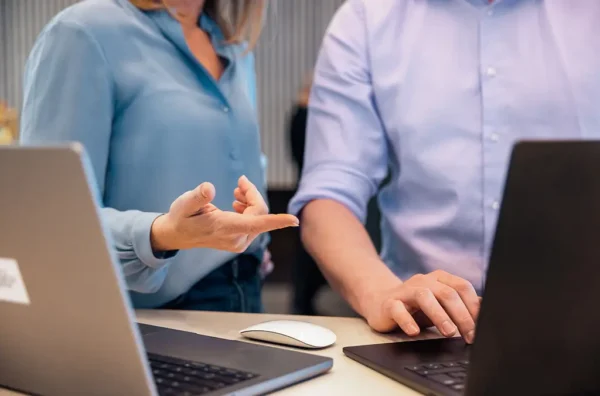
x=234 y=151
x=491 y=127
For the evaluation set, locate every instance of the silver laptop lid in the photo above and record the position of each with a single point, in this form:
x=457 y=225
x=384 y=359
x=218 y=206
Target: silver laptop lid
x=65 y=320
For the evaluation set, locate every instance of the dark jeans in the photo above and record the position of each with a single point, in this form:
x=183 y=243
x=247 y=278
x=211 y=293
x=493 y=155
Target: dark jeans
x=233 y=287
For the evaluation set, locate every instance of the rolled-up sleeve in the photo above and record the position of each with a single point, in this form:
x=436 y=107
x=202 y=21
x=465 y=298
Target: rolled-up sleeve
x=346 y=150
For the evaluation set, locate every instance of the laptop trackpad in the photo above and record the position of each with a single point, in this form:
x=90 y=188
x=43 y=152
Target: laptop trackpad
x=399 y=354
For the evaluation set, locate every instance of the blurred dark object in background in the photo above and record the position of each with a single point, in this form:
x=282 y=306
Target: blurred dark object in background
x=306 y=277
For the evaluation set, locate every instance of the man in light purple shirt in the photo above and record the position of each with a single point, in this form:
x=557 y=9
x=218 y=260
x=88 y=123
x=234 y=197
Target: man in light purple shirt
x=438 y=91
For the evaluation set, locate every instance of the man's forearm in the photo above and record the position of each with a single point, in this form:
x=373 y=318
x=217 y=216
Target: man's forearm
x=345 y=253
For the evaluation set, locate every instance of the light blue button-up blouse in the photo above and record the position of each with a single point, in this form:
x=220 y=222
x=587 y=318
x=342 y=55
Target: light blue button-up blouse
x=155 y=124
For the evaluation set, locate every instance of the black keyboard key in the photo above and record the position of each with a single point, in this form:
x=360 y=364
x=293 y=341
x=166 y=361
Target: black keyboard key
x=166 y=391
x=230 y=372
x=458 y=374
x=229 y=380
x=207 y=376
x=442 y=370
x=189 y=371
x=464 y=363
x=413 y=368
x=451 y=364
x=432 y=366
x=184 y=378
x=458 y=387
x=443 y=379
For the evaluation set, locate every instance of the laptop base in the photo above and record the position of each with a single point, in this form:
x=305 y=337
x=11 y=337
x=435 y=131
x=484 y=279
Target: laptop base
x=271 y=368
x=429 y=366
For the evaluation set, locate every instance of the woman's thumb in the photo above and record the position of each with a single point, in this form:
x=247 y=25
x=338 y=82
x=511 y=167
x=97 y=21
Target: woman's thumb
x=192 y=202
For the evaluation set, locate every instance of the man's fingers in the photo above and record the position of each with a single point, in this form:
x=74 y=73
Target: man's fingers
x=429 y=305
x=455 y=307
x=252 y=196
x=465 y=290
x=404 y=319
x=192 y=202
x=266 y=223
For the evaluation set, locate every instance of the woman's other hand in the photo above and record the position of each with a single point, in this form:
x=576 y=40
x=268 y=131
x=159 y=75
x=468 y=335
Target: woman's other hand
x=267 y=266
x=194 y=222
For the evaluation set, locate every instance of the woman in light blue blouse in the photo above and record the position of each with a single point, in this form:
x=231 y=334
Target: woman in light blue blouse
x=163 y=99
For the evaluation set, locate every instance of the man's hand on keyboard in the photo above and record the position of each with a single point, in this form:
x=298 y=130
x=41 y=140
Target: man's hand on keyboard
x=440 y=299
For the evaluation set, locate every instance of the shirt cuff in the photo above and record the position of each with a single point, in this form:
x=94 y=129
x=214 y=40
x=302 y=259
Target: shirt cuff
x=350 y=189
x=141 y=242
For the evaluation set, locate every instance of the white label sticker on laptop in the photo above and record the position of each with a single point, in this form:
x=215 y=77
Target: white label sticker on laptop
x=12 y=287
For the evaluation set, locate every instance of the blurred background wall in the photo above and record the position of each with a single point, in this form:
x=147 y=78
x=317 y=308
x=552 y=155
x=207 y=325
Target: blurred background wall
x=284 y=57
x=3 y=39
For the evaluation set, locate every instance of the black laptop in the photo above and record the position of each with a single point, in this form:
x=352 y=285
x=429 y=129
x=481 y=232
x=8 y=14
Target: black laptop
x=538 y=332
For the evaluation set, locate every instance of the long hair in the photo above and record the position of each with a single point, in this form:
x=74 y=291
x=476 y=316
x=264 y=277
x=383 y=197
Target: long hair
x=239 y=20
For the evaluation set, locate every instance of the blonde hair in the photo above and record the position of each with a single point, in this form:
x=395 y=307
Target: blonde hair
x=239 y=20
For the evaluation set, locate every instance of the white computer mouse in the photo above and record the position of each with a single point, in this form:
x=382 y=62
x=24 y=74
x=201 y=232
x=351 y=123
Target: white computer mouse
x=291 y=332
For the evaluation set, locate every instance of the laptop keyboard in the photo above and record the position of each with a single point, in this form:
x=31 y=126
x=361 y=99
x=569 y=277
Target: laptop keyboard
x=451 y=374
x=186 y=378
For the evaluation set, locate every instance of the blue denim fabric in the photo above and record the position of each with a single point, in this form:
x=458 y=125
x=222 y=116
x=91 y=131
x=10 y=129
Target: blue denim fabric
x=233 y=287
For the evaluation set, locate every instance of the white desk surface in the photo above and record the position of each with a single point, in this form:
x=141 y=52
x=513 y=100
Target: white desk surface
x=347 y=377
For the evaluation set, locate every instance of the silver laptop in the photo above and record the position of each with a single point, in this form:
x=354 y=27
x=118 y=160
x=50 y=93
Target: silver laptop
x=66 y=323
